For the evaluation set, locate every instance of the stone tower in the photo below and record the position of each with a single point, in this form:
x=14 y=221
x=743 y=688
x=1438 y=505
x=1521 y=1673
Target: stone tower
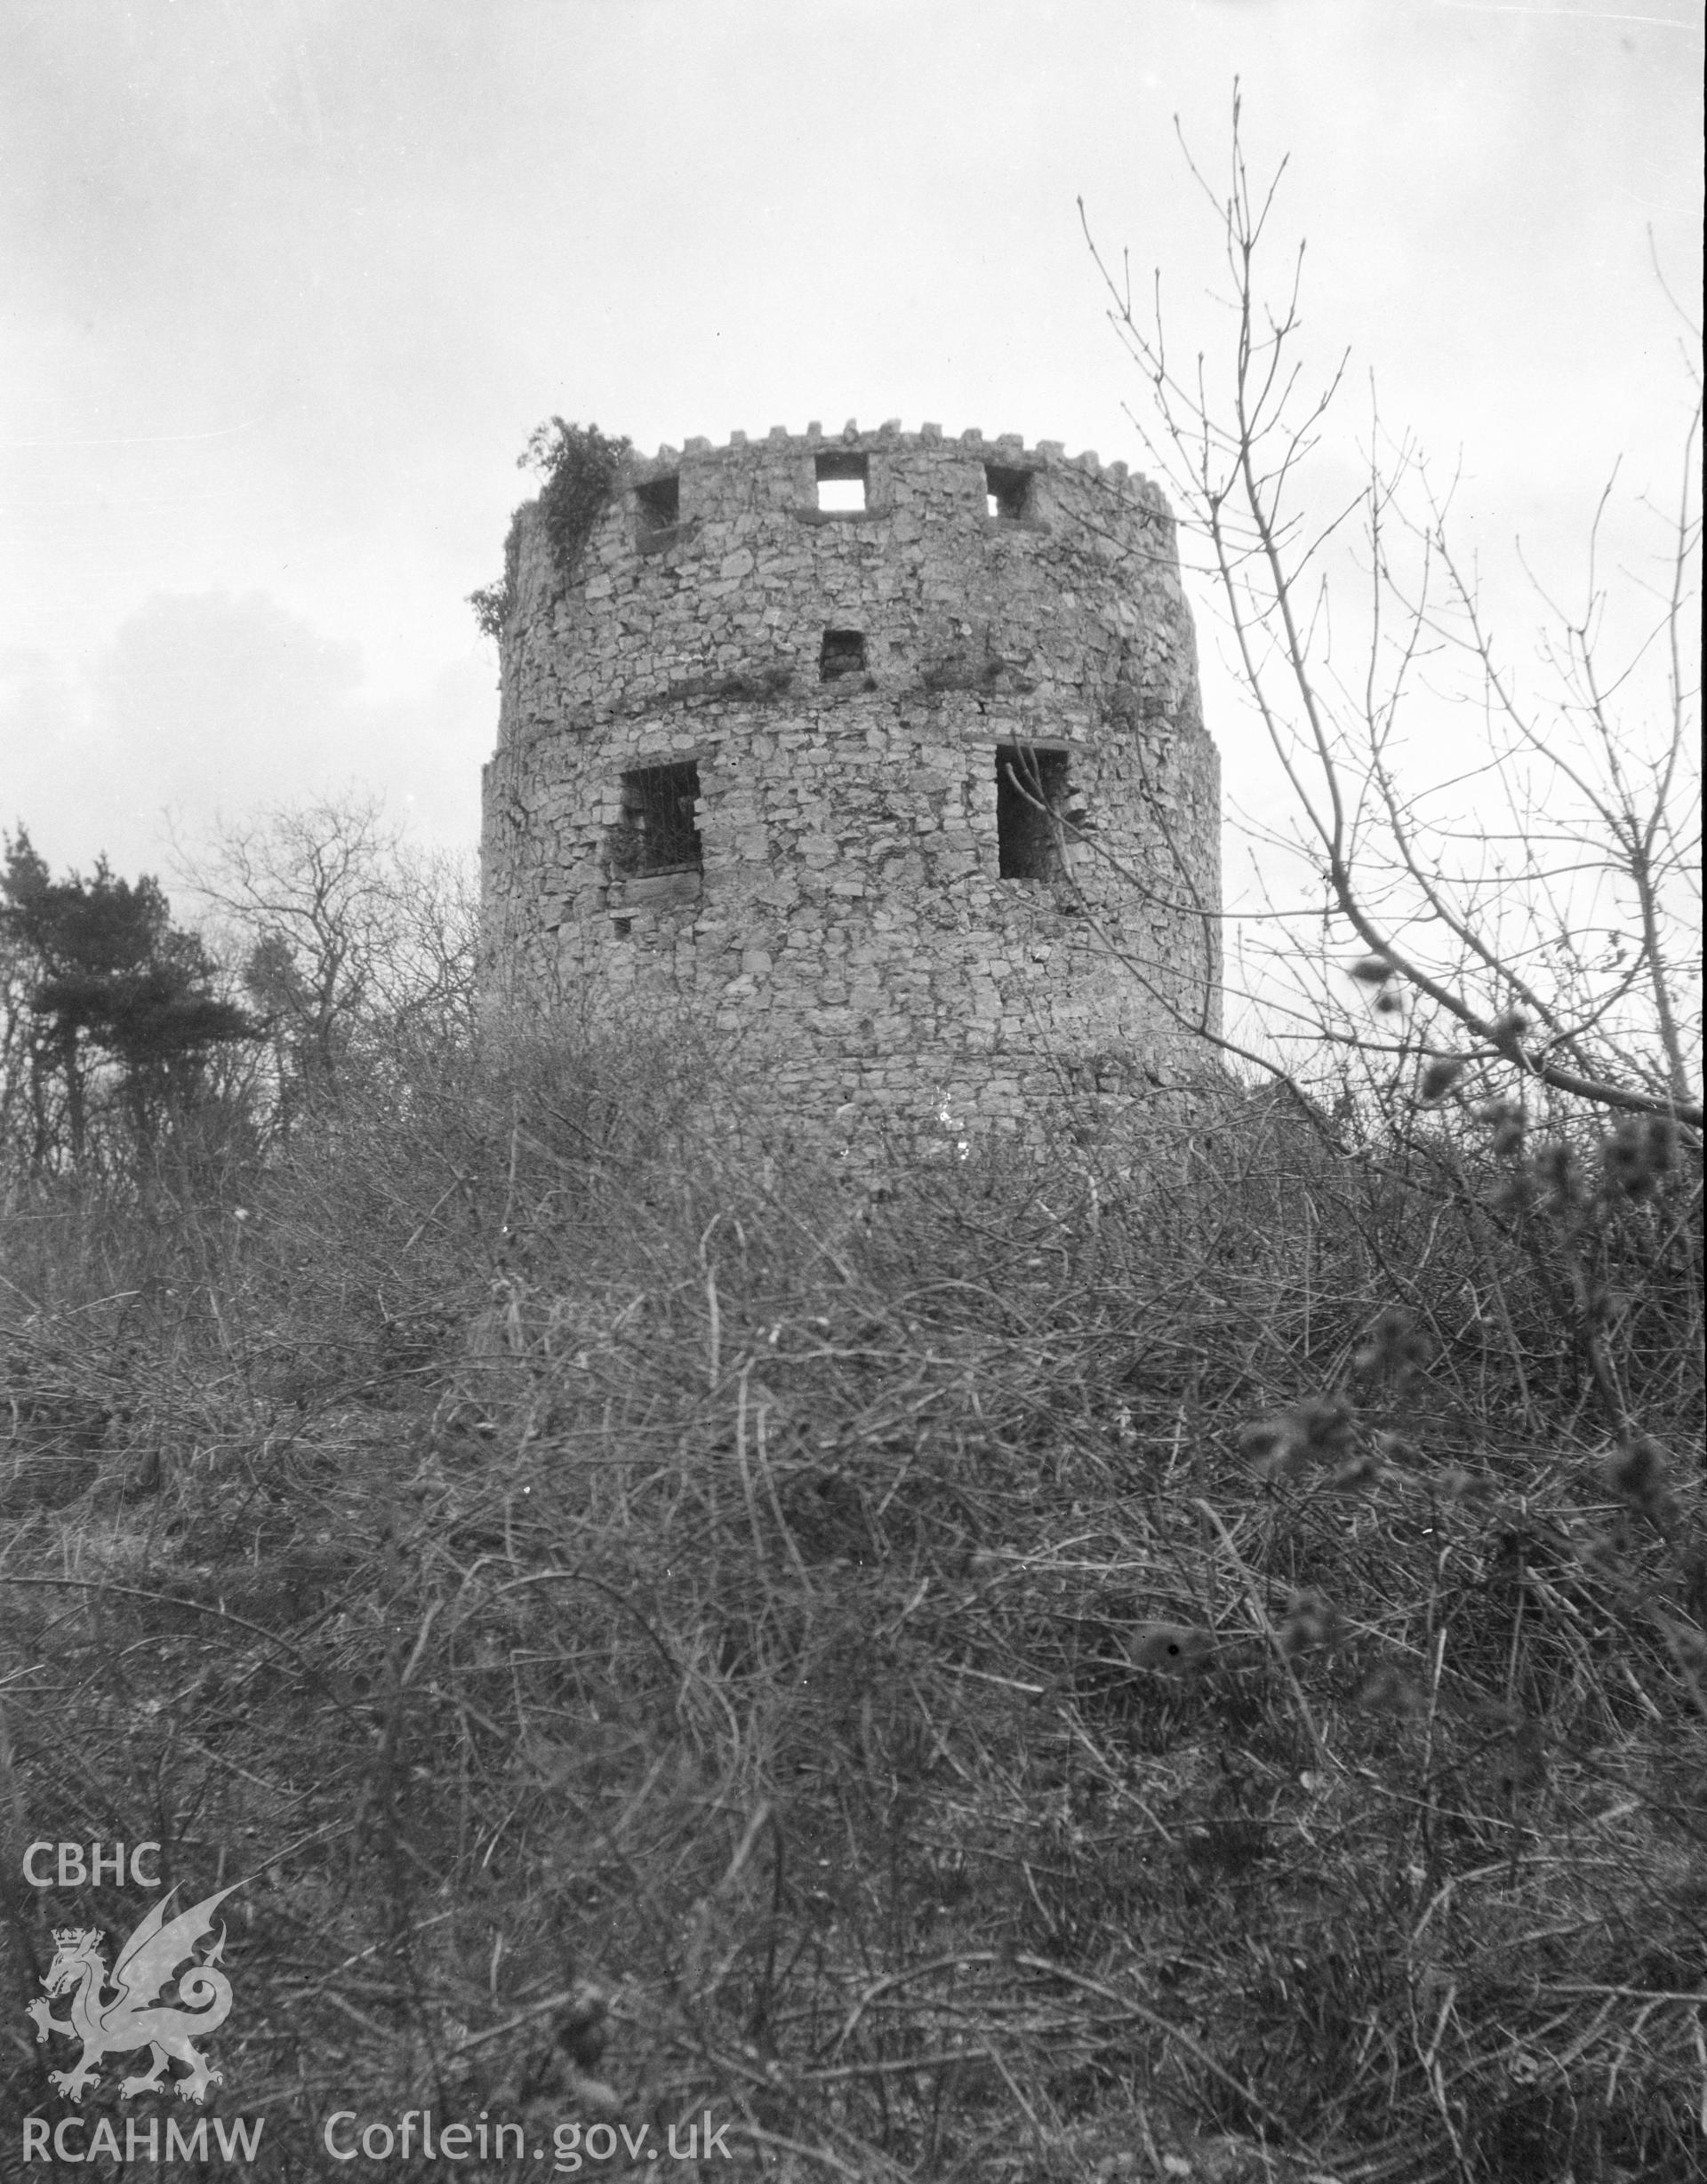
x=880 y=750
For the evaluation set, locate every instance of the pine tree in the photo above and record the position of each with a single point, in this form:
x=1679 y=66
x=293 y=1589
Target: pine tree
x=111 y=986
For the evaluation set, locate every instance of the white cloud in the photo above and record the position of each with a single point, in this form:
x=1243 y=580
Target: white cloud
x=210 y=703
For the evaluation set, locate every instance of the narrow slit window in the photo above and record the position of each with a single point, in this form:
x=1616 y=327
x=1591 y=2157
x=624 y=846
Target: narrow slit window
x=842 y=652
x=659 y=831
x=660 y=504
x=1030 y=791
x=1007 y=492
x=842 y=481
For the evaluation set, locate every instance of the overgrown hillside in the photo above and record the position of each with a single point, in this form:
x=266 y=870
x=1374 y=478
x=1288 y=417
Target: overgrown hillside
x=1074 y=1661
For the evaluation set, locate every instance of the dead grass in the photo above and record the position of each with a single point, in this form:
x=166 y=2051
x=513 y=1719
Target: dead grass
x=1025 y=1676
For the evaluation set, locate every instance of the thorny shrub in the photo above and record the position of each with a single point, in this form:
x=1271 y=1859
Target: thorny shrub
x=1001 y=1666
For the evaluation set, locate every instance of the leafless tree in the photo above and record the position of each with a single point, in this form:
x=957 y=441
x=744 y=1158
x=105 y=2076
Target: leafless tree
x=1526 y=906
x=346 y=939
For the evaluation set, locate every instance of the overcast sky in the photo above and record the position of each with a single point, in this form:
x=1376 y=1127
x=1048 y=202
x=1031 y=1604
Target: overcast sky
x=287 y=282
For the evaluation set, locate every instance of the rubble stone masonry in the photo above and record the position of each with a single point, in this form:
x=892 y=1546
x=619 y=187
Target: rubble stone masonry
x=886 y=791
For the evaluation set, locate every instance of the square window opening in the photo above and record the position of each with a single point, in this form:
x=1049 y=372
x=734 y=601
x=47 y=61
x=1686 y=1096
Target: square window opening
x=1029 y=837
x=657 y=832
x=660 y=503
x=842 y=481
x=1007 y=492
x=842 y=652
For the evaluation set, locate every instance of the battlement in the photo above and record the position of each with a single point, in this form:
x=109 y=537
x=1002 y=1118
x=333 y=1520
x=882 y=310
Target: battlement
x=899 y=473
x=820 y=737
x=1004 y=448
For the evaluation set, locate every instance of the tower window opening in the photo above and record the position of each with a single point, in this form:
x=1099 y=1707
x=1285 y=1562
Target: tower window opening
x=657 y=832
x=1007 y=492
x=1030 y=792
x=843 y=652
x=660 y=504
x=842 y=481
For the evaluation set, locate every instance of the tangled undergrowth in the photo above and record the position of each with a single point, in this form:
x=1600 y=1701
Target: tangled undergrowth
x=996 y=1667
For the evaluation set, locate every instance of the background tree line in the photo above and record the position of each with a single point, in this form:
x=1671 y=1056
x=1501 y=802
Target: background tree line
x=323 y=944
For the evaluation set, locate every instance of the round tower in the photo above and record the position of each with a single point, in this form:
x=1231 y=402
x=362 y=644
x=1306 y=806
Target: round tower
x=881 y=750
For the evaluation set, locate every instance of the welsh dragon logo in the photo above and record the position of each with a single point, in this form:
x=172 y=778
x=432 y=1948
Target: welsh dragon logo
x=135 y=2017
